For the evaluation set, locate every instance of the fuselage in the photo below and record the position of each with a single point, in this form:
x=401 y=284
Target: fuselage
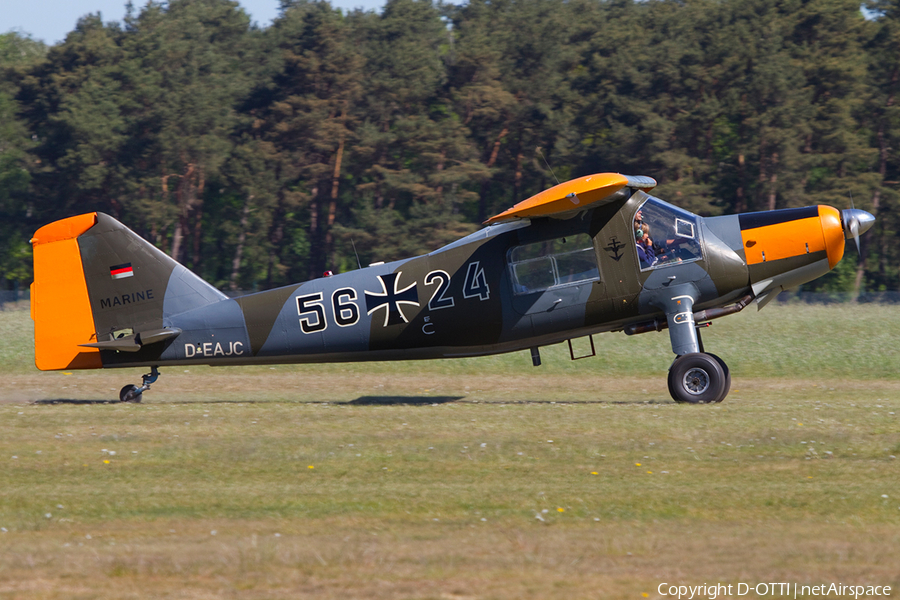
x=507 y=287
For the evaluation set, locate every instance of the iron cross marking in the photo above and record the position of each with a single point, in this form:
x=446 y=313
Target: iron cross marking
x=614 y=247
x=391 y=298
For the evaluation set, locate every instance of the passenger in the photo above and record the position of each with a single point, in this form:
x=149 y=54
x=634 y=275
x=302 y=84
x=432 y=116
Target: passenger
x=648 y=244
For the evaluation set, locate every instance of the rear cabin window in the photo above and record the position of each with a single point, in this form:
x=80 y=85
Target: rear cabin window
x=544 y=265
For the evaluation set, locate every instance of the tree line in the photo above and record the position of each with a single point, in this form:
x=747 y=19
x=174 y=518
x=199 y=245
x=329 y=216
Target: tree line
x=263 y=156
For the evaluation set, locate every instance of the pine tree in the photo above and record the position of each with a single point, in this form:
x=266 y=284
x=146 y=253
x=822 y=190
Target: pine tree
x=72 y=103
x=187 y=57
x=17 y=52
x=881 y=266
x=512 y=82
x=414 y=165
x=312 y=120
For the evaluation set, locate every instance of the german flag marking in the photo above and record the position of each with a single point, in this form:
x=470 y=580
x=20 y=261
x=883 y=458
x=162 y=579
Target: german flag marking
x=121 y=271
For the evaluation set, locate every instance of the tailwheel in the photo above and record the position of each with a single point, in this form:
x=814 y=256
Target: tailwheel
x=698 y=378
x=130 y=393
x=133 y=393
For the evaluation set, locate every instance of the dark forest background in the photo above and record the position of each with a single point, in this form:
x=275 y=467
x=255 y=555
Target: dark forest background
x=260 y=157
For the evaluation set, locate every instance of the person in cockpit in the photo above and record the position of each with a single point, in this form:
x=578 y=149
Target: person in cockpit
x=645 y=249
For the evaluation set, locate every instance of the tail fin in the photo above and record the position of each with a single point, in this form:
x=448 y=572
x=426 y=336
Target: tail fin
x=98 y=285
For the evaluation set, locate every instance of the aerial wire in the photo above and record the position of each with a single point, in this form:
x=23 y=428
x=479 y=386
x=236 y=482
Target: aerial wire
x=572 y=195
x=548 y=165
x=358 y=264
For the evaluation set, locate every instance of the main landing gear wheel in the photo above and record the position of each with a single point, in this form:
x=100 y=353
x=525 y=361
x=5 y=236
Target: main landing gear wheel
x=130 y=393
x=698 y=378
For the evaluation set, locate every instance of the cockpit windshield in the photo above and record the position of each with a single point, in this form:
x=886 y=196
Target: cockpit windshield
x=665 y=235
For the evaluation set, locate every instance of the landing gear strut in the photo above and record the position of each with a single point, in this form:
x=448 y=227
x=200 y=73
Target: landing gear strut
x=133 y=393
x=695 y=377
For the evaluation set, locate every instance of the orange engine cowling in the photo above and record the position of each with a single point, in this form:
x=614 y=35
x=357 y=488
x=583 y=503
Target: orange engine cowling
x=780 y=234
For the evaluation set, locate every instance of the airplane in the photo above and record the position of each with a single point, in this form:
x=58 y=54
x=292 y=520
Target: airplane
x=591 y=255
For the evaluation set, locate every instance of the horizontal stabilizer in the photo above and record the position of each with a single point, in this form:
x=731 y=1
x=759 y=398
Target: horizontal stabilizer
x=134 y=342
x=573 y=196
x=154 y=336
x=124 y=344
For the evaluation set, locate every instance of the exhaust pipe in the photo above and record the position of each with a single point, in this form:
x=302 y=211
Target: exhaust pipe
x=699 y=317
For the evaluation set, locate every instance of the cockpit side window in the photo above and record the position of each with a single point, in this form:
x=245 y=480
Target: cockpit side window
x=552 y=263
x=665 y=235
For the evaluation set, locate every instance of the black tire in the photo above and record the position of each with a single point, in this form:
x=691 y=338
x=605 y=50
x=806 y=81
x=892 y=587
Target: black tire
x=130 y=393
x=697 y=378
x=727 y=376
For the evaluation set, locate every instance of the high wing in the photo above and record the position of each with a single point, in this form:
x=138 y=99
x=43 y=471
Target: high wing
x=571 y=197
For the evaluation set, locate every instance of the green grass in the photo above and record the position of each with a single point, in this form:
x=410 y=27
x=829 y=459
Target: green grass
x=426 y=501
x=457 y=491
x=17 y=348
x=264 y=452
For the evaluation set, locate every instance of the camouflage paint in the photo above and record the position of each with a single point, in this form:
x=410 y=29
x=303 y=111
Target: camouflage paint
x=456 y=301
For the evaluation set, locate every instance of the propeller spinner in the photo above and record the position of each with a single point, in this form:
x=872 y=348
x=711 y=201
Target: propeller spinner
x=856 y=222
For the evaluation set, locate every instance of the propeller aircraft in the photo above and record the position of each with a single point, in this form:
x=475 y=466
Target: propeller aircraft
x=591 y=255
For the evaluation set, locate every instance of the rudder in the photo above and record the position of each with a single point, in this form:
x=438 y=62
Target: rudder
x=60 y=305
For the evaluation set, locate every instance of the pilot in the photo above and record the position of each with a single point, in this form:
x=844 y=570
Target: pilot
x=649 y=249
x=646 y=261
x=645 y=247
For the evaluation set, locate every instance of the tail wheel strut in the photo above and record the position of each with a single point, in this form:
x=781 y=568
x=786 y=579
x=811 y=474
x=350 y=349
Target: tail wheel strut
x=133 y=393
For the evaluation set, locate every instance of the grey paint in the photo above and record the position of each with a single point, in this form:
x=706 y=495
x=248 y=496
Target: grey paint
x=793 y=278
x=726 y=266
x=728 y=230
x=185 y=291
x=213 y=331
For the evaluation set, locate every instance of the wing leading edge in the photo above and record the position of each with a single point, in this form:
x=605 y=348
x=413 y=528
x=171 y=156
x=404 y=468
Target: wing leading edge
x=574 y=196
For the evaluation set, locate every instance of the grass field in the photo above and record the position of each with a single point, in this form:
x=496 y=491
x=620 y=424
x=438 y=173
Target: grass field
x=477 y=478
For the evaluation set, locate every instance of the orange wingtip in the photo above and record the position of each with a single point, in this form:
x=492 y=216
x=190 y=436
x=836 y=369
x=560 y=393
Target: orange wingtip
x=64 y=229
x=573 y=195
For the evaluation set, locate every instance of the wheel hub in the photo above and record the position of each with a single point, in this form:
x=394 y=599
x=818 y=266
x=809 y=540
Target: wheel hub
x=696 y=381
